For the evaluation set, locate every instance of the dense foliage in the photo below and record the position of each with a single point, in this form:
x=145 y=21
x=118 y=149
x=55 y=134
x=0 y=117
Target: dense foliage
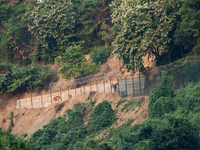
x=173 y=123
x=52 y=23
x=16 y=42
x=16 y=78
x=144 y=28
x=75 y=64
x=188 y=32
x=100 y=54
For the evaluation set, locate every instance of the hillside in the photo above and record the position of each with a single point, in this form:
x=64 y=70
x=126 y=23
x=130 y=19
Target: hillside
x=164 y=120
x=30 y=120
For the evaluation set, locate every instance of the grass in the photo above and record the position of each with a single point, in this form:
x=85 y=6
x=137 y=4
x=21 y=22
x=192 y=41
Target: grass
x=129 y=105
x=121 y=101
x=137 y=110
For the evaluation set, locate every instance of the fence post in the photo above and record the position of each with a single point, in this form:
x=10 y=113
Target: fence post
x=51 y=96
x=126 y=86
x=41 y=99
x=96 y=85
x=147 y=84
x=60 y=94
x=75 y=90
x=31 y=100
x=118 y=86
x=133 y=86
x=110 y=85
x=140 y=86
x=19 y=102
x=5 y=102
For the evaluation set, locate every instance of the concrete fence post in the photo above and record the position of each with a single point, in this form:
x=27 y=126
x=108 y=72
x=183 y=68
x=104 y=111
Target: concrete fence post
x=31 y=100
x=133 y=86
x=125 y=86
x=41 y=100
x=140 y=86
x=60 y=94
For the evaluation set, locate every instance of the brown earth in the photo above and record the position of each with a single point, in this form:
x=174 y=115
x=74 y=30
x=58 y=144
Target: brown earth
x=30 y=120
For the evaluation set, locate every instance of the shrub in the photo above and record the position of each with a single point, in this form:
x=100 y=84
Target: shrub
x=179 y=133
x=121 y=101
x=73 y=135
x=102 y=116
x=75 y=64
x=161 y=106
x=100 y=54
x=15 y=78
x=162 y=90
x=75 y=119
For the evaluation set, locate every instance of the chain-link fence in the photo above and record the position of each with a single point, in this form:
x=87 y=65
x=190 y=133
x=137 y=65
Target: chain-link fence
x=123 y=85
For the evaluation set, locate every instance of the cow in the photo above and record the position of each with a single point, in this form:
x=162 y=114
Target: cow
x=70 y=96
x=56 y=98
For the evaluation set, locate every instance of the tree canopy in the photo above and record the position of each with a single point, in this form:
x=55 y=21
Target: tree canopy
x=52 y=23
x=144 y=29
x=188 y=32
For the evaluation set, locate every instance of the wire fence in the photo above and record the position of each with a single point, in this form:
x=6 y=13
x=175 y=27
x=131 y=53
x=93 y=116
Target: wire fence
x=123 y=85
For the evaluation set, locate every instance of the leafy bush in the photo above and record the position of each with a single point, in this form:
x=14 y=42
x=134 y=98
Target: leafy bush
x=162 y=90
x=129 y=105
x=74 y=134
x=121 y=101
x=33 y=77
x=9 y=141
x=75 y=64
x=100 y=54
x=162 y=106
x=75 y=119
x=102 y=116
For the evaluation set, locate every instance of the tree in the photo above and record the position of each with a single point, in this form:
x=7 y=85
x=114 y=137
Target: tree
x=75 y=64
x=93 y=23
x=144 y=29
x=188 y=32
x=53 y=26
x=15 y=39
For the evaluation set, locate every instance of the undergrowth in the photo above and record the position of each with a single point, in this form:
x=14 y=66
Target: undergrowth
x=130 y=105
x=173 y=123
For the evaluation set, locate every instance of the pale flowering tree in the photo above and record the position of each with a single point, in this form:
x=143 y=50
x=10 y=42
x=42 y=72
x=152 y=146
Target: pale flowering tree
x=52 y=24
x=143 y=29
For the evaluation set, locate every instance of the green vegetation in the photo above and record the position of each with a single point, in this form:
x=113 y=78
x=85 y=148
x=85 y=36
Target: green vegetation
x=49 y=30
x=173 y=123
x=75 y=64
x=121 y=101
x=129 y=105
x=62 y=31
x=100 y=54
x=16 y=78
x=187 y=33
x=166 y=29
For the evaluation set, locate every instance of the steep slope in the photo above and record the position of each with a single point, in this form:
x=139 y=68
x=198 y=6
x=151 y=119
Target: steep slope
x=30 y=120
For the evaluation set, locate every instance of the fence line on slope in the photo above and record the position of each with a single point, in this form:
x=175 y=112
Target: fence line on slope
x=126 y=85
